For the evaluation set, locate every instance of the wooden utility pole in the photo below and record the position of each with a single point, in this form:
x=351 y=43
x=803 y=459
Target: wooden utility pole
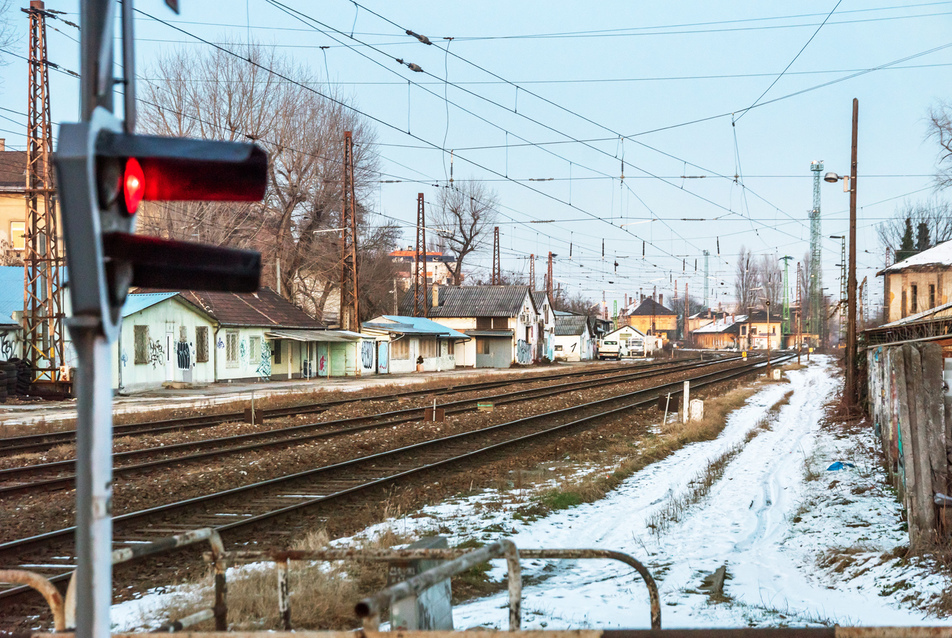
x=852 y=395
x=43 y=341
x=349 y=291
x=419 y=262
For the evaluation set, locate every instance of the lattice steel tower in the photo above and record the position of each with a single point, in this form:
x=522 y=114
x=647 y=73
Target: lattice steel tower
x=44 y=345
x=816 y=255
x=349 y=288
x=707 y=280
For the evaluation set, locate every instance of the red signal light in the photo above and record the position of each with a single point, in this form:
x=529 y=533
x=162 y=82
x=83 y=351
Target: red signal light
x=133 y=185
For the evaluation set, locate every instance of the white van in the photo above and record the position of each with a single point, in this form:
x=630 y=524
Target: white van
x=612 y=349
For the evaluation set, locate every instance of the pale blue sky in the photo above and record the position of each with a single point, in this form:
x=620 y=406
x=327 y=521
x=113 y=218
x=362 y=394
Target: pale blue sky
x=615 y=69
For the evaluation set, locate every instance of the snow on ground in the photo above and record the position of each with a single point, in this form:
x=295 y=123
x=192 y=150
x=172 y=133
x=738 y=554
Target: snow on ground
x=770 y=519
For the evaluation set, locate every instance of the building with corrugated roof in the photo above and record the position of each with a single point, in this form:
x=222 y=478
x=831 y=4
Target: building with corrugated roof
x=411 y=344
x=573 y=337
x=507 y=326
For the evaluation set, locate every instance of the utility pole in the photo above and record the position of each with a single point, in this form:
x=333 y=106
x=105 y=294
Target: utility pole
x=799 y=315
x=548 y=279
x=687 y=313
x=419 y=262
x=851 y=371
x=531 y=272
x=816 y=256
x=786 y=295
x=497 y=265
x=707 y=281
x=349 y=291
x=44 y=345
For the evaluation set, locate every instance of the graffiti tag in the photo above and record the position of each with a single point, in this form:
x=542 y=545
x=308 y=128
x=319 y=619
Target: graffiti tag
x=523 y=352
x=367 y=354
x=183 y=356
x=264 y=368
x=7 y=349
x=156 y=353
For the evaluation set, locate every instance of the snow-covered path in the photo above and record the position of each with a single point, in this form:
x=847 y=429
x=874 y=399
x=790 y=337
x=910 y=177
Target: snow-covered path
x=744 y=523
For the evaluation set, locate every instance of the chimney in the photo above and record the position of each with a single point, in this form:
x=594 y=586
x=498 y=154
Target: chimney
x=660 y=299
x=436 y=296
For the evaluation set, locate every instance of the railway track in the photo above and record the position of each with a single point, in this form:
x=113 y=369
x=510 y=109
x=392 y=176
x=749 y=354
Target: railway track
x=58 y=475
x=268 y=501
x=31 y=443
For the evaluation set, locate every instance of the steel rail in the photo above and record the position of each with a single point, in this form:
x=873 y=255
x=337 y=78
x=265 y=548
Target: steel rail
x=639 y=398
x=290 y=434
x=39 y=442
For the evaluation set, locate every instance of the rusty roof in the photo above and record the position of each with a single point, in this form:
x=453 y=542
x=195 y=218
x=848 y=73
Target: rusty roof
x=262 y=309
x=652 y=308
x=12 y=170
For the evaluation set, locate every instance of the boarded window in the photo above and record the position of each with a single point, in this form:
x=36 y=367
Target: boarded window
x=914 y=291
x=201 y=344
x=428 y=348
x=254 y=348
x=141 y=343
x=183 y=334
x=231 y=349
x=276 y=347
x=400 y=349
x=903 y=309
x=482 y=345
x=500 y=323
x=932 y=295
x=484 y=323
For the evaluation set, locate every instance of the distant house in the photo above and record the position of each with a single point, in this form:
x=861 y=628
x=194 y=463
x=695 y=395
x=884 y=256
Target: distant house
x=546 y=322
x=634 y=341
x=918 y=283
x=757 y=332
x=413 y=344
x=720 y=334
x=439 y=267
x=573 y=337
x=12 y=202
x=506 y=326
x=651 y=317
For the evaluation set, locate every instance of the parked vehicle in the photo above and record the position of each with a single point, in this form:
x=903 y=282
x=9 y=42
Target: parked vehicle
x=612 y=349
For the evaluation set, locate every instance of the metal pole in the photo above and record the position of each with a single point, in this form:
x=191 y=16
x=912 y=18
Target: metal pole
x=851 y=372
x=93 y=480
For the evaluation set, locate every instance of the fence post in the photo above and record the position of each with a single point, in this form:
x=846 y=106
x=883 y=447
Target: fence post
x=906 y=463
x=284 y=594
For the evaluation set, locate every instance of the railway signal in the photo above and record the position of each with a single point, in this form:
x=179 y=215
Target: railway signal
x=105 y=171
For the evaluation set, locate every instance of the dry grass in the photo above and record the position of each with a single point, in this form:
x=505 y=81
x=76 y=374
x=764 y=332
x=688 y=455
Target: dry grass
x=322 y=594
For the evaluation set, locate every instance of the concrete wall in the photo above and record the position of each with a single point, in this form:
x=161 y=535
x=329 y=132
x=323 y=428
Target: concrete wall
x=169 y=356
x=897 y=283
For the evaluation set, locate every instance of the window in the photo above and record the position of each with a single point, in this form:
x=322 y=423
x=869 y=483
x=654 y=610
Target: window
x=500 y=323
x=183 y=334
x=932 y=295
x=141 y=344
x=903 y=309
x=276 y=348
x=743 y=330
x=17 y=232
x=484 y=323
x=482 y=345
x=231 y=349
x=558 y=348
x=201 y=344
x=401 y=349
x=254 y=348
x=428 y=348
x=914 y=290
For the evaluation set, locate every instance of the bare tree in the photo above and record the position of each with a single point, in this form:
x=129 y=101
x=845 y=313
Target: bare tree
x=770 y=280
x=746 y=278
x=936 y=215
x=464 y=215
x=215 y=95
x=578 y=303
x=8 y=32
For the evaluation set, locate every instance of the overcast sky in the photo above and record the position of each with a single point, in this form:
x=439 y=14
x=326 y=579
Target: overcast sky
x=545 y=91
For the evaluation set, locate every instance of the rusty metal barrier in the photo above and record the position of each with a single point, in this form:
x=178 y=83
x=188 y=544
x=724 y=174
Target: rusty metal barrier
x=460 y=559
x=219 y=611
x=42 y=585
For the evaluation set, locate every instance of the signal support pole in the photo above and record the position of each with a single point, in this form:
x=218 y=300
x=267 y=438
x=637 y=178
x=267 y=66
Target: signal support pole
x=419 y=262
x=532 y=272
x=349 y=292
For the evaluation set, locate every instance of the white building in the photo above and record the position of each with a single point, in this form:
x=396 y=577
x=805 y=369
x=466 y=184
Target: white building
x=415 y=343
x=573 y=339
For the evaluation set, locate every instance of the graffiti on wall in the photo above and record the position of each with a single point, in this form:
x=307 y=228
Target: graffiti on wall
x=156 y=353
x=124 y=358
x=7 y=346
x=183 y=356
x=523 y=352
x=322 y=365
x=264 y=368
x=220 y=344
x=242 y=352
x=367 y=354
